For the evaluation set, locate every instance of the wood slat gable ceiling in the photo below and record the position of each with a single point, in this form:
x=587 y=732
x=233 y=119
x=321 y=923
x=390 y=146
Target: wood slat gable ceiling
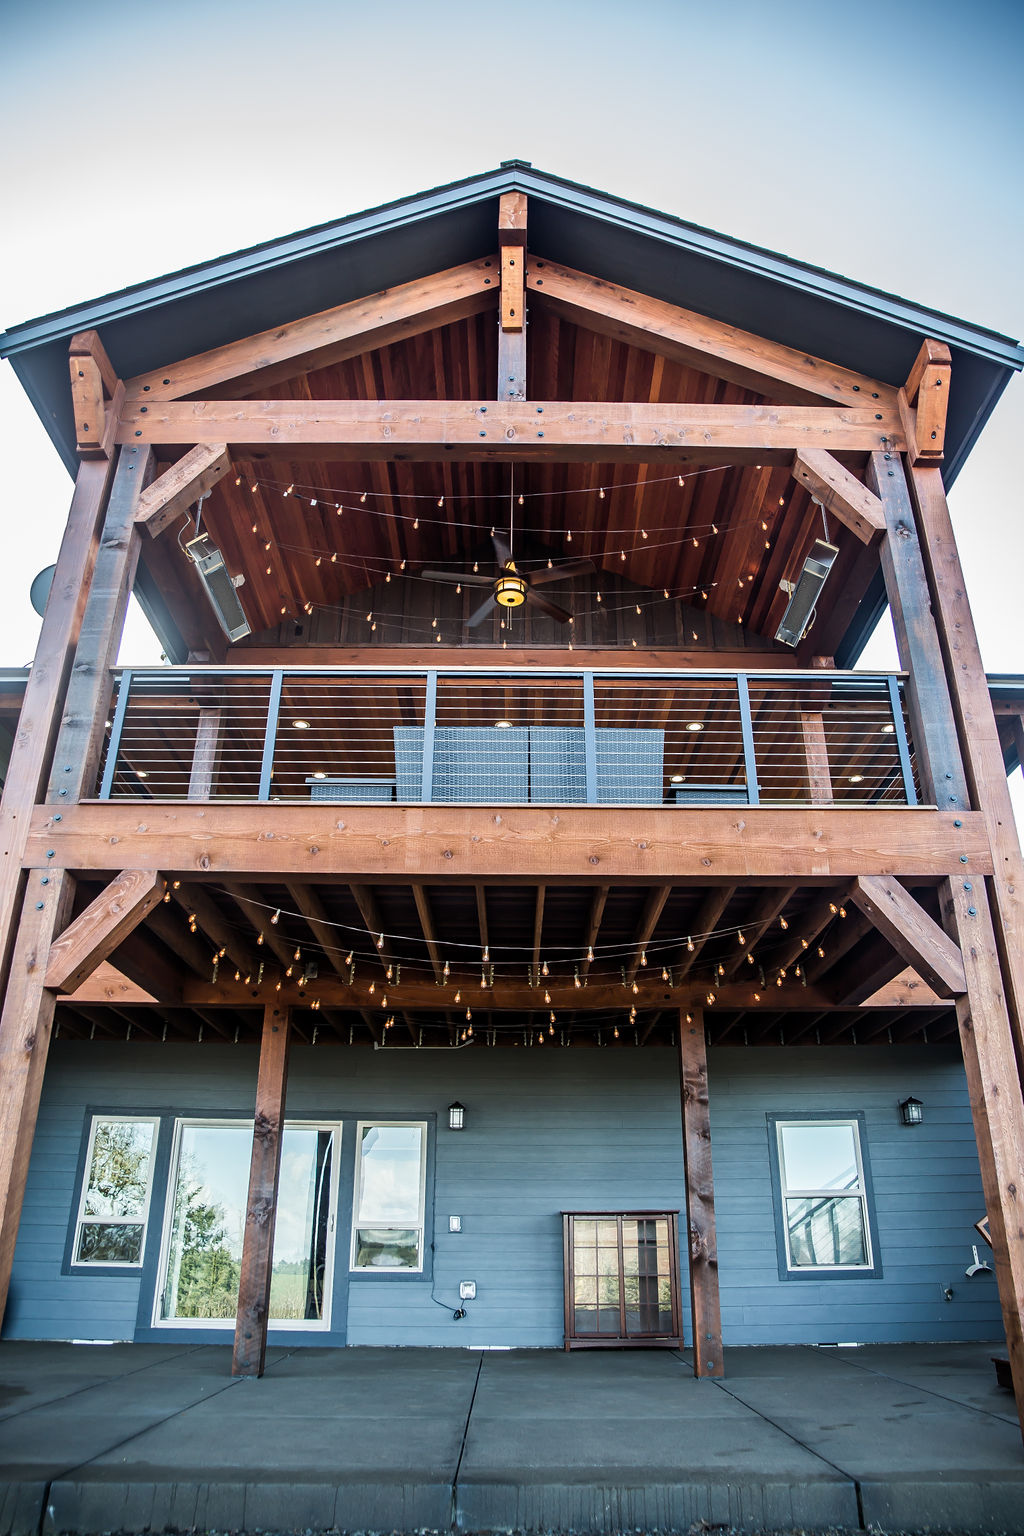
x=740 y=568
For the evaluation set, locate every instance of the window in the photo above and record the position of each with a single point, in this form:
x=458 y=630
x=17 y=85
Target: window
x=387 y=1225
x=824 y=1196
x=202 y=1253
x=114 y=1207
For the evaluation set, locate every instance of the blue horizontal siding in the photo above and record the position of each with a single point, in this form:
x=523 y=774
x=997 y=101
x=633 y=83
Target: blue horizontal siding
x=548 y=1130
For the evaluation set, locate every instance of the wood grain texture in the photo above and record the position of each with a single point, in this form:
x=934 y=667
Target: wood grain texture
x=178 y=488
x=426 y=430
x=459 y=843
x=497 y=658
x=319 y=340
x=841 y=493
x=911 y=932
x=705 y=1307
x=513 y=210
x=261 y=1204
x=97 y=932
x=694 y=340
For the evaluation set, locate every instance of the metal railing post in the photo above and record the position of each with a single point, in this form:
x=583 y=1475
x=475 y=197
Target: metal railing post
x=902 y=744
x=589 y=740
x=747 y=730
x=429 y=724
x=114 y=744
x=270 y=735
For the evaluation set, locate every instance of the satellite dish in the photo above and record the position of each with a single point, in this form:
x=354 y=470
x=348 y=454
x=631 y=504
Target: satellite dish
x=40 y=589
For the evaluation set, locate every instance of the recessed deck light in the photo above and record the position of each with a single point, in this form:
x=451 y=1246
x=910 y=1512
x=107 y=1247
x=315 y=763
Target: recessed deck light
x=502 y=725
x=300 y=725
x=677 y=778
x=319 y=774
x=856 y=778
x=140 y=773
x=694 y=725
x=887 y=730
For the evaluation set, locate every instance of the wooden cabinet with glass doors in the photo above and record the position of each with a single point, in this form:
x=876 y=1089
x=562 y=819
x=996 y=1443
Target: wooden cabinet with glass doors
x=621 y=1279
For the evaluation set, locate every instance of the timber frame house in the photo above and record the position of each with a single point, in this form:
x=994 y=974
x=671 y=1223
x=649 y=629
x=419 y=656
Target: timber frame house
x=384 y=822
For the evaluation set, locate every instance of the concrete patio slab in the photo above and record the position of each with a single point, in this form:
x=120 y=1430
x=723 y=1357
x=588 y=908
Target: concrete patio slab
x=144 y=1438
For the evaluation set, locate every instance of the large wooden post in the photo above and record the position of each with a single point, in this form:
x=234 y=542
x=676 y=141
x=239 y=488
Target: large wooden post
x=261 y=1207
x=986 y=1038
x=512 y=299
x=705 y=1311
x=44 y=691
x=27 y=1016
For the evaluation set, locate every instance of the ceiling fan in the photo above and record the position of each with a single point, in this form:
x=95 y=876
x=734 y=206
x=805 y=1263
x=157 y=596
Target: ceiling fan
x=511 y=587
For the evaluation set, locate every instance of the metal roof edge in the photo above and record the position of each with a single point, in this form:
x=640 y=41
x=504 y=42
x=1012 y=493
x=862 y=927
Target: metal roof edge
x=572 y=197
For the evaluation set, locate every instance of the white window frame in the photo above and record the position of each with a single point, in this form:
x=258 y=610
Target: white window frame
x=381 y=1269
x=142 y=1220
x=860 y=1193
x=227 y=1324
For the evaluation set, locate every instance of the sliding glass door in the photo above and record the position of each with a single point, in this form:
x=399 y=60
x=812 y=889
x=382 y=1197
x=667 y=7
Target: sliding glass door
x=205 y=1220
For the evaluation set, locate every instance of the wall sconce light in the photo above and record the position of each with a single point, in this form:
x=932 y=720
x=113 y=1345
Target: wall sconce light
x=911 y=1111
x=456 y=1117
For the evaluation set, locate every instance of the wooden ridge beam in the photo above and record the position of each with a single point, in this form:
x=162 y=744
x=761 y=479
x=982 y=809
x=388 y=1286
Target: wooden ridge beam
x=512 y=214
x=179 y=487
x=696 y=341
x=446 y=844
x=840 y=493
x=431 y=430
x=97 y=395
x=911 y=932
x=97 y=932
x=332 y=336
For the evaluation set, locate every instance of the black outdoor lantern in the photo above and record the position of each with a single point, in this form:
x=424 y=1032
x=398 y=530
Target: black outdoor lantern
x=911 y=1111
x=456 y=1116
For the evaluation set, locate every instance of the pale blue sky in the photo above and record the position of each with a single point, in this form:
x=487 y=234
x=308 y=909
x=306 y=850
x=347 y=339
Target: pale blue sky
x=881 y=140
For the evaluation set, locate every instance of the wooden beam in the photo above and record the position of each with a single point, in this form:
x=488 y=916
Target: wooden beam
x=25 y=1025
x=819 y=771
x=695 y=341
x=250 y=903
x=512 y=213
x=332 y=336
x=538 y=927
x=452 y=430
x=109 y=985
x=261 y=1204
x=923 y=402
x=315 y=913
x=426 y=918
x=653 y=908
x=904 y=991
x=911 y=932
x=708 y=913
x=193 y=899
x=705 y=1309
x=97 y=395
x=768 y=908
x=146 y=964
x=180 y=487
x=366 y=901
x=449 y=844
x=840 y=493
x=97 y=932
x=47 y=680
x=495 y=658
x=594 y=917
x=481 y=915
x=204 y=755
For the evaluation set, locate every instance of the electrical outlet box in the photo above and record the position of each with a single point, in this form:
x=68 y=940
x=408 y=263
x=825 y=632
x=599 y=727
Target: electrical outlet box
x=454 y=1223
x=467 y=1290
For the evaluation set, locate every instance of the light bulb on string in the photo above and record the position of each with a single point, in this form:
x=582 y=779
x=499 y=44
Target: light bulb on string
x=590 y=951
x=690 y=944
x=783 y=923
x=276 y=918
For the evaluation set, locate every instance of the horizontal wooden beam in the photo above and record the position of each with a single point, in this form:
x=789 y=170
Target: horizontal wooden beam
x=431 y=430
x=458 y=843
x=494 y=657
x=840 y=493
x=179 y=487
x=698 y=342
x=319 y=340
x=914 y=935
x=97 y=932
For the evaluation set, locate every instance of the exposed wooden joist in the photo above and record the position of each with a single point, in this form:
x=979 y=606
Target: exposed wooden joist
x=698 y=342
x=97 y=395
x=708 y=913
x=594 y=917
x=426 y=918
x=366 y=901
x=193 y=899
x=653 y=908
x=97 y=932
x=308 y=902
x=254 y=1281
x=317 y=341
x=538 y=927
x=451 y=430
x=253 y=909
x=768 y=908
x=911 y=932
x=445 y=844
x=840 y=493
x=702 y=1245
x=181 y=486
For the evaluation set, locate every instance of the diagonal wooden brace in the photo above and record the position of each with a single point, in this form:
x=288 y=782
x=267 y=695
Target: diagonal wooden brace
x=97 y=932
x=179 y=487
x=911 y=932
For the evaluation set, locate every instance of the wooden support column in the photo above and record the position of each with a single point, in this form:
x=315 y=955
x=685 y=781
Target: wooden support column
x=986 y=1039
x=705 y=1310
x=204 y=757
x=512 y=308
x=47 y=680
x=25 y=1026
x=261 y=1206
x=819 y=774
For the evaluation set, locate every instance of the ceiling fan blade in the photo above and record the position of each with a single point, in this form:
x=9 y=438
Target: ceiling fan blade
x=474 y=579
x=502 y=548
x=551 y=609
x=482 y=612
x=563 y=572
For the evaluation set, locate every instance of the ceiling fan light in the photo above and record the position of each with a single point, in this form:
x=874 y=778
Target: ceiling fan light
x=510 y=590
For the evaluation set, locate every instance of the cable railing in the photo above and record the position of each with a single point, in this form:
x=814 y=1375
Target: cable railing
x=460 y=735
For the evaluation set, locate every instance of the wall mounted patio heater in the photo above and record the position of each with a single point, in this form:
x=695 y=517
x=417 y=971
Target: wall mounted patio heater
x=804 y=592
x=220 y=587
